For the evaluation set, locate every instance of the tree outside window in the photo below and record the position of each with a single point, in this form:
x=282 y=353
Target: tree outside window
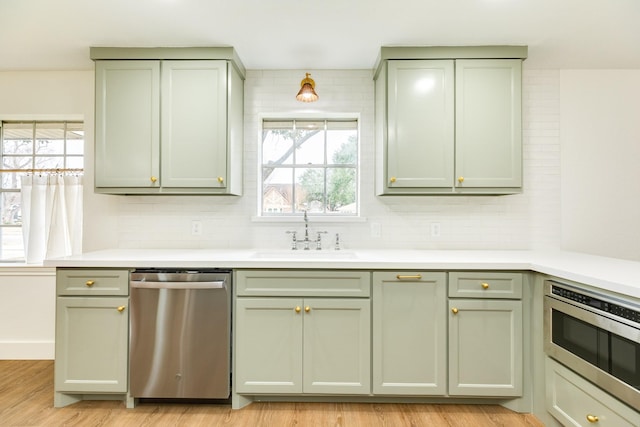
x=310 y=165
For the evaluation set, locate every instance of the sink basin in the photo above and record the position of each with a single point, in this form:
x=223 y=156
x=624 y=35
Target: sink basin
x=301 y=254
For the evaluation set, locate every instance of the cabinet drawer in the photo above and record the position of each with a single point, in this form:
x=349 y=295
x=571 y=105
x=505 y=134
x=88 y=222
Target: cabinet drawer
x=571 y=399
x=485 y=284
x=92 y=282
x=303 y=283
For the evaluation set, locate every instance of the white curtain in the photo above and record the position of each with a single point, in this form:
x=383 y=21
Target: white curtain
x=51 y=216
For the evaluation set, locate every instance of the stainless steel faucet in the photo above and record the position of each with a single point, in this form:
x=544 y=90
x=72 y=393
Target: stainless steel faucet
x=306 y=231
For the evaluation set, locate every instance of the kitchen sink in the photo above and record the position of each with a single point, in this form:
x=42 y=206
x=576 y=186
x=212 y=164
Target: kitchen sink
x=305 y=255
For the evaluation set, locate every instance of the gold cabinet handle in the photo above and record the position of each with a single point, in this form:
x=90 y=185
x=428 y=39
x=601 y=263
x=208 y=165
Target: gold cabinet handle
x=402 y=277
x=220 y=179
x=484 y=285
x=592 y=418
x=461 y=179
x=454 y=310
x=392 y=179
x=297 y=309
x=153 y=179
x=121 y=308
x=307 y=309
x=90 y=283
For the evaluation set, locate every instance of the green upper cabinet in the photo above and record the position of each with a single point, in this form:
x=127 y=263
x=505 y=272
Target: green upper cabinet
x=448 y=120
x=168 y=121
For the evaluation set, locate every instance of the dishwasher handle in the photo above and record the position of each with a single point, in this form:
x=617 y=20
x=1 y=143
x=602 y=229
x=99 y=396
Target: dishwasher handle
x=143 y=284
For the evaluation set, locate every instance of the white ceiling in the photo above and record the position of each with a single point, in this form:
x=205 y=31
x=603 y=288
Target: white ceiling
x=321 y=34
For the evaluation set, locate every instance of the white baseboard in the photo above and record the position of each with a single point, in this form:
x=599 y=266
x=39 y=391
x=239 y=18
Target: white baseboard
x=22 y=350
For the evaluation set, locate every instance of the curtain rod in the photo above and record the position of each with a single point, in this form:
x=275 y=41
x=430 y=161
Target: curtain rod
x=50 y=170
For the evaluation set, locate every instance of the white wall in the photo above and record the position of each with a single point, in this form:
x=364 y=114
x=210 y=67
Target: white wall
x=528 y=220
x=600 y=122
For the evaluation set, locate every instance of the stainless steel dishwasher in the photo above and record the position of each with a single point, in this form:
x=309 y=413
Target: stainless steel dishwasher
x=180 y=334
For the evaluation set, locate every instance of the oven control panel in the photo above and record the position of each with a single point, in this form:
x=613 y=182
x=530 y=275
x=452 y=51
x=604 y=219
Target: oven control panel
x=597 y=303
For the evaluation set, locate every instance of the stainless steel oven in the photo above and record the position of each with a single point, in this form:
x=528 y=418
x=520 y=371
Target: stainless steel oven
x=595 y=334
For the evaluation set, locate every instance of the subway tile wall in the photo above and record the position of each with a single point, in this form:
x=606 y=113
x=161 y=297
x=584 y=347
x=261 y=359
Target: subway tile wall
x=530 y=220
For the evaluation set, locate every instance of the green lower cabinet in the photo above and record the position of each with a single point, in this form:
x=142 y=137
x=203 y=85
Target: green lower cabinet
x=409 y=333
x=485 y=347
x=302 y=345
x=92 y=344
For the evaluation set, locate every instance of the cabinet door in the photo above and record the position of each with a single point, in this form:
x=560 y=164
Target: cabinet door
x=485 y=347
x=194 y=124
x=127 y=124
x=409 y=333
x=420 y=141
x=91 y=345
x=488 y=123
x=268 y=345
x=337 y=355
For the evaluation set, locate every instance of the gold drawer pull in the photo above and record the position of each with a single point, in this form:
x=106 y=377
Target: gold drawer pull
x=90 y=283
x=592 y=418
x=484 y=285
x=307 y=309
x=153 y=179
x=401 y=277
x=121 y=308
x=297 y=309
x=454 y=310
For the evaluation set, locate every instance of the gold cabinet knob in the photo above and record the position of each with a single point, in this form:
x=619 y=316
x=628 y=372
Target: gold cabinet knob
x=121 y=308
x=220 y=179
x=90 y=283
x=392 y=179
x=592 y=418
x=307 y=309
x=454 y=310
x=461 y=179
x=153 y=179
x=297 y=309
x=484 y=285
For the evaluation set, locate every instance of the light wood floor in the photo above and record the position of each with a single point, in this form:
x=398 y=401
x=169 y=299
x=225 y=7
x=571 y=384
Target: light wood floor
x=26 y=399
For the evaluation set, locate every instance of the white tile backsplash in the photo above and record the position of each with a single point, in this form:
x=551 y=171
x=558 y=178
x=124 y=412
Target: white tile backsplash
x=521 y=221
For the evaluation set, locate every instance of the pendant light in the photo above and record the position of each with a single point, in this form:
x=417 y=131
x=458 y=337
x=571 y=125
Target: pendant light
x=307 y=92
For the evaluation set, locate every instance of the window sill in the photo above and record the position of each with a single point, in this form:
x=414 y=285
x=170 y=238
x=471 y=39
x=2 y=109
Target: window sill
x=312 y=219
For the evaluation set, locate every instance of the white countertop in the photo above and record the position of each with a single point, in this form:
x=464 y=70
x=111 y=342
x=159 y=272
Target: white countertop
x=606 y=273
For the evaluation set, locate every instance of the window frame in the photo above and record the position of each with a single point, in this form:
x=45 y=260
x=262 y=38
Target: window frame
x=33 y=157
x=323 y=216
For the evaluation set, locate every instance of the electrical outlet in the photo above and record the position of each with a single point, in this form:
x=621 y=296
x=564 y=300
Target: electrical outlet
x=196 y=228
x=435 y=229
x=376 y=229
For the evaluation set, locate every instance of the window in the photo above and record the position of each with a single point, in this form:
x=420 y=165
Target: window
x=309 y=165
x=28 y=145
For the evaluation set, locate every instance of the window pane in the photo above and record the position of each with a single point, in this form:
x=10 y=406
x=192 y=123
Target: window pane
x=49 y=163
x=310 y=148
x=16 y=162
x=50 y=138
x=17 y=138
x=277 y=147
x=10 y=180
x=75 y=162
x=10 y=208
x=342 y=147
x=310 y=185
x=277 y=190
x=341 y=190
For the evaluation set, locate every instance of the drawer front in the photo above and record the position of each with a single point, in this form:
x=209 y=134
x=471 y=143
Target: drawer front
x=575 y=401
x=303 y=283
x=485 y=284
x=76 y=281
